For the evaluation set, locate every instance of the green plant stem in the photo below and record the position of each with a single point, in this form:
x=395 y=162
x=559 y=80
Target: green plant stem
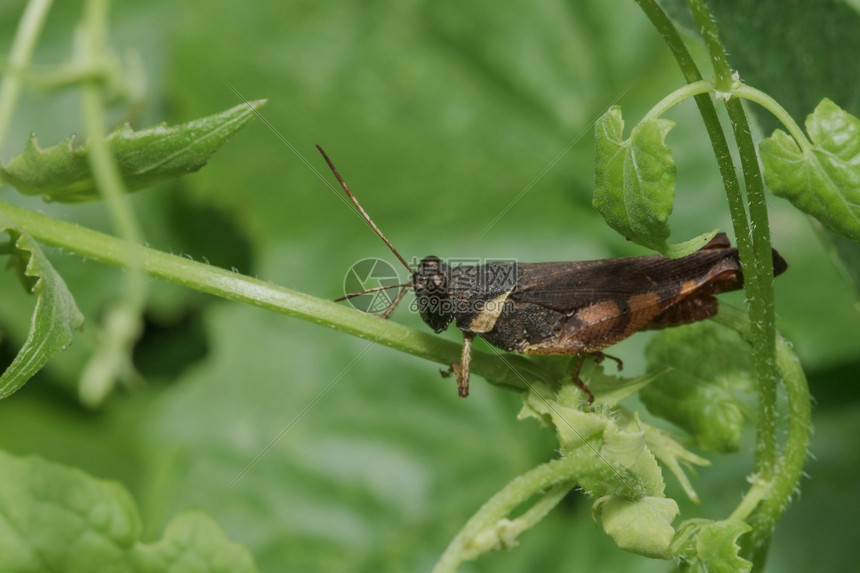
x=771 y=105
x=738 y=90
x=769 y=496
x=235 y=287
x=753 y=238
x=750 y=239
x=488 y=529
x=122 y=323
x=19 y=58
x=677 y=96
x=708 y=112
x=758 y=273
x=105 y=170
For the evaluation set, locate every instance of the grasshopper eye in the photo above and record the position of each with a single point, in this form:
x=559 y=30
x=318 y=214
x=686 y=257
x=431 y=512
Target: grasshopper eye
x=431 y=293
x=431 y=277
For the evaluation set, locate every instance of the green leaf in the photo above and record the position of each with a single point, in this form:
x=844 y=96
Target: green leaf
x=575 y=428
x=62 y=172
x=823 y=181
x=846 y=255
x=611 y=389
x=625 y=448
x=54 y=318
x=613 y=455
x=54 y=518
x=678 y=250
x=708 y=364
x=193 y=542
x=717 y=547
x=634 y=178
x=643 y=526
x=671 y=453
x=711 y=546
x=818 y=62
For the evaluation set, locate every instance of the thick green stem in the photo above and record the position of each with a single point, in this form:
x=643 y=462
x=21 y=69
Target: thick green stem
x=753 y=239
x=758 y=270
x=233 y=286
x=708 y=112
x=769 y=495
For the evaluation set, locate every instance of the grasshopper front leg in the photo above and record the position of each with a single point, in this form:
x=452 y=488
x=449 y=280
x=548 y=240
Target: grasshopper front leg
x=461 y=369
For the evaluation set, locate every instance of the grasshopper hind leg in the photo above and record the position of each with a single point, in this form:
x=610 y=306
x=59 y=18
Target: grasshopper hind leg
x=598 y=358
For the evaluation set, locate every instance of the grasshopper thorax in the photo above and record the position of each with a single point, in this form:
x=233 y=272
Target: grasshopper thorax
x=432 y=294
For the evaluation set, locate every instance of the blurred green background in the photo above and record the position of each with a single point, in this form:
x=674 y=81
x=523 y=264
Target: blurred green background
x=438 y=115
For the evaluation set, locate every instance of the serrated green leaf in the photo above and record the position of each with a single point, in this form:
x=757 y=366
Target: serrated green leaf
x=611 y=449
x=54 y=318
x=717 y=547
x=611 y=389
x=634 y=178
x=574 y=427
x=825 y=181
x=711 y=546
x=643 y=526
x=708 y=363
x=62 y=172
x=671 y=453
x=54 y=518
x=627 y=449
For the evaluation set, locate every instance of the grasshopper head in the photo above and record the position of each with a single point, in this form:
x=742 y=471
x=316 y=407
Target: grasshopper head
x=431 y=293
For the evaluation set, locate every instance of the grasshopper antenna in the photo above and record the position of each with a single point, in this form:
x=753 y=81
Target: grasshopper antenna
x=363 y=213
x=370 y=290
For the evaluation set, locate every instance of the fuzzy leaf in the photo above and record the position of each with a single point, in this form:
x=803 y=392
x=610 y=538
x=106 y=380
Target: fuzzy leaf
x=54 y=518
x=610 y=389
x=642 y=526
x=634 y=179
x=711 y=546
x=625 y=448
x=671 y=454
x=634 y=183
x=708 y=363
x=54 y=318
x=717 y=547
x=62 y=172
x=825 y=181
x=612 y=452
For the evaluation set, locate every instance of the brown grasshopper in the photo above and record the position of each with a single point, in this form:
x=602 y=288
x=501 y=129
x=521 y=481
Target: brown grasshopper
x=565 y=308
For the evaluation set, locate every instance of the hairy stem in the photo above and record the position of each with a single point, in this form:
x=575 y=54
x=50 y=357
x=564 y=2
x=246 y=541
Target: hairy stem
x=758 y=274
x=690 y=90
x=769 y=495
x=771 y=105
x=708 y=112
x=753 y=240
x=489 y=529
